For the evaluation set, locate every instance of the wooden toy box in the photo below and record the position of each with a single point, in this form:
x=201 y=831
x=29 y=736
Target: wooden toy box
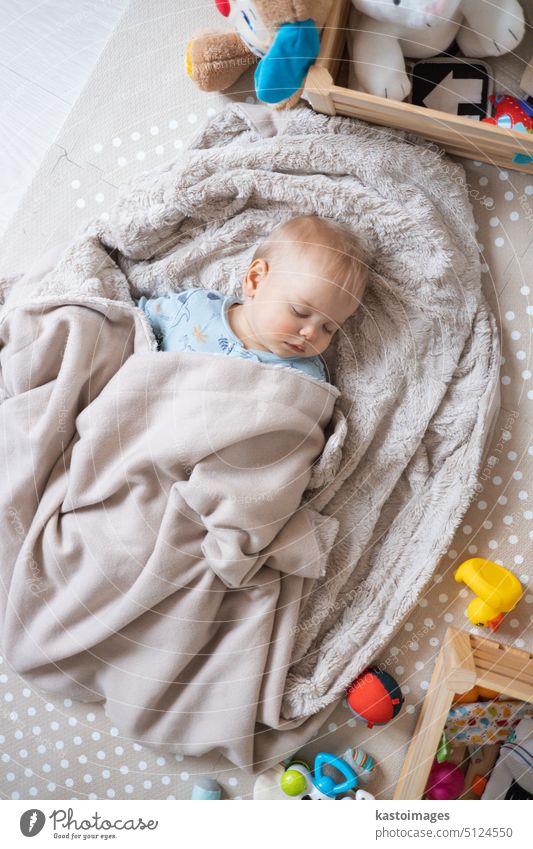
x=463 y=662
x=458 y=135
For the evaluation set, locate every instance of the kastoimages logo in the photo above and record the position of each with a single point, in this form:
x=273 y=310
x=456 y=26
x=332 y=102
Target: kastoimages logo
x=31 y=822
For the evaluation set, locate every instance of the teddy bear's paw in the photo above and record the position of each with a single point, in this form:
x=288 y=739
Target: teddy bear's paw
x=393 y=88
x=475 y=45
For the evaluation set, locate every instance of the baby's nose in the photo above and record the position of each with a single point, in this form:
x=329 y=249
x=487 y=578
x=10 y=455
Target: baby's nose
x=309 y=332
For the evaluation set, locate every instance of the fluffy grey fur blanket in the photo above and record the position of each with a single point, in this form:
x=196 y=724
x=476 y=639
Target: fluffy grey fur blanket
x=160 y=598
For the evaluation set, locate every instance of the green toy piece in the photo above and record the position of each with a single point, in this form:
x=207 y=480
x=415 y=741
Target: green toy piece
x=293 y=783
x=444 y=749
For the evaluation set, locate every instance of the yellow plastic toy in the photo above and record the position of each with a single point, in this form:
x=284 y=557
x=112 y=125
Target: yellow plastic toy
x=497 y=591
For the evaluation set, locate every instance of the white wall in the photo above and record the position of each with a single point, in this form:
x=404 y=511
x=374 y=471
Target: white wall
x=48 y=49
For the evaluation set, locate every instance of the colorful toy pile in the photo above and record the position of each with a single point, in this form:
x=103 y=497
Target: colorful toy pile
x=296 y=778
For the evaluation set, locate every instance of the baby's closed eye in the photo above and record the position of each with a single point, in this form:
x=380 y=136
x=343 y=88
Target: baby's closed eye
x=328 y=328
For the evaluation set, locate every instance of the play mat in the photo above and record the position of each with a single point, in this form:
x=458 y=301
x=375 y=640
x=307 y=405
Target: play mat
x=132 y=116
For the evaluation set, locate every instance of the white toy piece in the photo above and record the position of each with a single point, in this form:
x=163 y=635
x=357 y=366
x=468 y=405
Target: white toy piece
x=515 y=763
x=267 y=785
x=526 y=83
x=363 y=764
x=383 y=32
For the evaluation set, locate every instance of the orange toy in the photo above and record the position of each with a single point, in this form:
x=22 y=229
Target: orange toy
x=485 y=693
x=466 y=698
x=476 y=694
x=481 y=762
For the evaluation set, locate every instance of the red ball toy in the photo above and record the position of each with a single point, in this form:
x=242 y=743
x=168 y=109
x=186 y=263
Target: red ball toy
x=375 y=697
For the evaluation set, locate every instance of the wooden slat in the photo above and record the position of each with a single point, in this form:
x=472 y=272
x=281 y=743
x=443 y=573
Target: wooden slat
x=435 y=709
x=458 y=661
x=317 y=88
x=505 y=684
x=441 y=130
x=483 y=665
x=416 y=116
x=505 y=660
x=447 y=138
x=490 y=645
x=500 y=153
x=471 y=150
x=333 y=37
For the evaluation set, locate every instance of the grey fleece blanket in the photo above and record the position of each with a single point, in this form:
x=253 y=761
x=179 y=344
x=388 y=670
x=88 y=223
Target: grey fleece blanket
x=215 y=547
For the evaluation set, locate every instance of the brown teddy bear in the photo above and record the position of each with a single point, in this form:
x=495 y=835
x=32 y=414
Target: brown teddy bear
x=282 y=34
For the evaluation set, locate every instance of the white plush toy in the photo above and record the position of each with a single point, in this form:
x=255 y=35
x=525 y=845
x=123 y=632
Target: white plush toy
x=514 y=764
x=384 y=31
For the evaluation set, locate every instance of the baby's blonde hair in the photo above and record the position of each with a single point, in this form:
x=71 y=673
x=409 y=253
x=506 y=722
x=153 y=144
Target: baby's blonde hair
x=346 y=261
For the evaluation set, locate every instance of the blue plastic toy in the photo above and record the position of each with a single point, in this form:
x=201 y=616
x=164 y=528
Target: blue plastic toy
x=206 y=788
x=325 y=784
x=300 y=781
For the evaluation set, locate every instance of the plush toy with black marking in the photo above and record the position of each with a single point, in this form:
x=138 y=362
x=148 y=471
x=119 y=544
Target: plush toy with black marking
x=383 y=32
x=281 y=37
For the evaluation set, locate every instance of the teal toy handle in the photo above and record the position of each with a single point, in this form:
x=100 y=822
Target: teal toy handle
x=522 y=159
x=325 y=783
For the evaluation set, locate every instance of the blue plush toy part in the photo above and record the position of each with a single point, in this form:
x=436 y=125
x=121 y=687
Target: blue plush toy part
x=283 y=69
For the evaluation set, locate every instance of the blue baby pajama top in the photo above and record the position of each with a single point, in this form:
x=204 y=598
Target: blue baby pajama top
x=196 y=320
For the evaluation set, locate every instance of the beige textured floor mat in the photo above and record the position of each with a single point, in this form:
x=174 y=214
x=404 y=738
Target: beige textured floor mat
x=138 y=109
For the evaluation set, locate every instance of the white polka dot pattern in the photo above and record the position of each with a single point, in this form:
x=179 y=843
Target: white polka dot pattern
x=64 y=749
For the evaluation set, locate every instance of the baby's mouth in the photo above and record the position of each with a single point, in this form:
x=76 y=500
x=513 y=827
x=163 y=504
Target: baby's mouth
x=295 y=347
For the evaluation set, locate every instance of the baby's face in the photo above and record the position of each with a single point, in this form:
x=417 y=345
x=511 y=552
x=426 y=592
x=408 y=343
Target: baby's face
x=293 y=311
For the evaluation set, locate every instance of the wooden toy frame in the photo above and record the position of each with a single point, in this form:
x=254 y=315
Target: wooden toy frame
x=458 y=135
x=463 y=661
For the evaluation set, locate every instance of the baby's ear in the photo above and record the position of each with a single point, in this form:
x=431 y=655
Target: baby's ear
x=257 y=270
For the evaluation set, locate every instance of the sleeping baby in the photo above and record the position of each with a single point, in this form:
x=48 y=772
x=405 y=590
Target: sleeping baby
x=303 y=282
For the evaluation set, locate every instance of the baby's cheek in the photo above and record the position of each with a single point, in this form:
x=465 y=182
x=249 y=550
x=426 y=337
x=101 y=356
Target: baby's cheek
x=284 y=327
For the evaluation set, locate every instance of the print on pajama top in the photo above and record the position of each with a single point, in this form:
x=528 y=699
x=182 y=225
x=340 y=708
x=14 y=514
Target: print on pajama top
x=196 y=320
